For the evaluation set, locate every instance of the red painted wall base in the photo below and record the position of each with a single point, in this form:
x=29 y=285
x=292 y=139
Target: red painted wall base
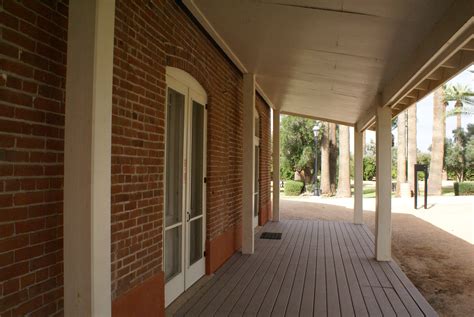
x=147 y=299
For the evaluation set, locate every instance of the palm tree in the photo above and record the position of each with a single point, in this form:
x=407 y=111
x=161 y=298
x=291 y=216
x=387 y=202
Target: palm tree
x=463 y=99
x=325 y=173
x=344 y=183
x=437 y=145
x=401 y=151
x=411 y=145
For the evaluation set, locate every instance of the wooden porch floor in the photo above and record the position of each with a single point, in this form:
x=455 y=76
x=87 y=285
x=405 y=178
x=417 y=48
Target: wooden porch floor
x=318 y=268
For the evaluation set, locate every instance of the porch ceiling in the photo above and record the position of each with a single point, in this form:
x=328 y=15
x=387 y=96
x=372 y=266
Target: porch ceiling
x=320 y=58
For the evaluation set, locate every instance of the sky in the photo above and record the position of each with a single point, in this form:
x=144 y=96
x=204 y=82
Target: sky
x=424 y=116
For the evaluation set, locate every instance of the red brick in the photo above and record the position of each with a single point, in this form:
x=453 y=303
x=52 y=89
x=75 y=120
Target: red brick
x=6 y=200
x=13 y=243
x=18 y=39
x=29 y=225
x=11 y=286
x=29 y=252
x=16 y=68
x=14 y=270
x=6 y=230
x=18 y=10
x=15 y=97
x=28 y=198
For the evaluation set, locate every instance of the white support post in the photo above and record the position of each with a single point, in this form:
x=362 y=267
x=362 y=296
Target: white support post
x=276 y=165
x=87 y=158
x=358 y=177
x=248 y=164
x=383 y=216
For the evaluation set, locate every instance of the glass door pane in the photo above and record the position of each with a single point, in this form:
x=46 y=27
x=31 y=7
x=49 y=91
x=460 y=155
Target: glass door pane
x=197 y=180
x=174 y=157
x=197 y=159
x=256 y=181
x=173 y=252
x=174 y=184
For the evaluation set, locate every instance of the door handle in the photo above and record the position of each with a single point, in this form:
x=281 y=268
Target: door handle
x=188 y=216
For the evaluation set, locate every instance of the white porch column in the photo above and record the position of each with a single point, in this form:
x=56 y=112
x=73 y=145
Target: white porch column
x=383 y=216
x=276 y=165
x=87 y=158
x=358 y=176
x=248 y=164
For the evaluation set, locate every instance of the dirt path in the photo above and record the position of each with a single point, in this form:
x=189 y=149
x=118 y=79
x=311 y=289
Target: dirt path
x=440 y=264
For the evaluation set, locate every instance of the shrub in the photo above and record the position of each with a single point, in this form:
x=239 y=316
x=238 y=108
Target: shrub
x=369 y=168
x=293 y=188
x=464 y=188
x=310 y=188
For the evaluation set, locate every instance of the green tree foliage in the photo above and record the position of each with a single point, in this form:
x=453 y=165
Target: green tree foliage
x=369 y=167
x=297 y=149
x=463 y=98
x=459 y=160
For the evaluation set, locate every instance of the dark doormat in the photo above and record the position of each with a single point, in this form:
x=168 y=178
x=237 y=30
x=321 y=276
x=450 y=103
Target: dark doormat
x=271 y=235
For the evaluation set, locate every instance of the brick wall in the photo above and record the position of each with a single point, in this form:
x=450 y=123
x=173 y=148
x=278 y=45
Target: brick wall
x=265 y=159
x=150 y=35
x=32 y=79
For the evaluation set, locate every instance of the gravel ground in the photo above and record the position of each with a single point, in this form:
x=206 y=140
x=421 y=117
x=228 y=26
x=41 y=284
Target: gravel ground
x=434 y=247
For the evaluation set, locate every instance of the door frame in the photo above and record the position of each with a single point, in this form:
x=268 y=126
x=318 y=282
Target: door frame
x=256 y=173
x=185 y=84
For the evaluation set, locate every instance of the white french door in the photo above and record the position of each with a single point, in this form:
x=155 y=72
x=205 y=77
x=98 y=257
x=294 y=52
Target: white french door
x=185 y=200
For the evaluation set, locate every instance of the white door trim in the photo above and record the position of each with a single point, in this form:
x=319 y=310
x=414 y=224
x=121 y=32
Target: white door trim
x=185 y=84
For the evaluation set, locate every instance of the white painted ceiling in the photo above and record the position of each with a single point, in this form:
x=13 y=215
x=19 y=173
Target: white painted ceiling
x=323 y=58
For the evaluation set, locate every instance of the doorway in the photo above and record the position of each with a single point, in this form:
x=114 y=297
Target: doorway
x=185 y=183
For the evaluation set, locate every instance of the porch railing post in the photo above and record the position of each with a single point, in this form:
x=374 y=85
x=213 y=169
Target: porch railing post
x=358 y=177
x=248 y=164
x=276 y=165
x=87 y=158
x=383 y=216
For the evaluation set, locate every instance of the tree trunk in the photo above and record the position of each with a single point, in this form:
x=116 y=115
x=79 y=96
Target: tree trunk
x=333 y=154
x=344 y=177
x=458 y=107
x=412 y=149
x=325 y=174
x=437 y=146
x=401 y=152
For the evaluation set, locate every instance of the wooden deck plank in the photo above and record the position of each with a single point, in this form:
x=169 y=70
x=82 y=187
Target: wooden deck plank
x=256 y=301
x=382 y=300
x=332 y=299
x=370 y=254
x=283 y=277
x=296 y=290
x=397 y=304
x=353 y=285
x=222 y=304
x=400 y=289
x=204 y=301
x=307 y=300
x=394 y=299
x=320 y=304
x=203 y=290
x=345 y=300
x=420 y=301
x=244 y=271
x=319 y=268
x=369 y=297
x=237 y=307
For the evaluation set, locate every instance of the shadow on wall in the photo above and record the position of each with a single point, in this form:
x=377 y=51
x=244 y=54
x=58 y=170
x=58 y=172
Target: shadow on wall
x=440 y=264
